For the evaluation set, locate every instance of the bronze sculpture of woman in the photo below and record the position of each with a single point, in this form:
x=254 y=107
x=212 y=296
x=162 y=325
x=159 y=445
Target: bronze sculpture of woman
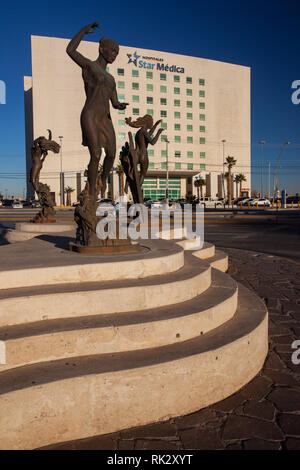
x=143 y=138
x=100 y=89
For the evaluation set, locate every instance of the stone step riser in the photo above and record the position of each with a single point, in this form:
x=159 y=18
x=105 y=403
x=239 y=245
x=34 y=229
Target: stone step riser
x=100 y=340
x=133 y=269
x=19 y=310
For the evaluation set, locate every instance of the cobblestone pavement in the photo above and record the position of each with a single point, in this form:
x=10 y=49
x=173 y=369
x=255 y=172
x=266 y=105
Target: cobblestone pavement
x=263 y=415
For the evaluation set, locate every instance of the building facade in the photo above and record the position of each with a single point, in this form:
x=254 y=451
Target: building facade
x=204 y=106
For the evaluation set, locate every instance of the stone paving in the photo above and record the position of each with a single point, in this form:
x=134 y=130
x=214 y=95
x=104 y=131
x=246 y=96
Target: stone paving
x=263 y=415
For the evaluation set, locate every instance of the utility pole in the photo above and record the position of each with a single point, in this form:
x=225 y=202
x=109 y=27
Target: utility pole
x=223 y=174
x=167 y=180
x=262 y=142
x=275 y=188
x=62 y=191
x=269 y=191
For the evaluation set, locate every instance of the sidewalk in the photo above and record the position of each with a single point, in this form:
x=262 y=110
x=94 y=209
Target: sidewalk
x=263 y=415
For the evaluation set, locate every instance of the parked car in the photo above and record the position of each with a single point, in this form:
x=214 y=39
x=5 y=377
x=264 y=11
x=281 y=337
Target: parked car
x=35 y=204
x=261 y=202
x=210 y=202
x=247 y=201
x=17 y=205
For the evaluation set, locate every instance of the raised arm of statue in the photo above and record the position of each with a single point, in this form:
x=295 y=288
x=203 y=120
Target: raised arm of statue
x=155 y=139
x=74 y=43
x=152 y=130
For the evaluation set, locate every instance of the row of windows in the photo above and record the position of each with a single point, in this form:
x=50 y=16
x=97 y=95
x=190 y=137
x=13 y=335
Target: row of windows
x=177 y=153
x=163 y=89
x=177 y=127
x=177 y=138
x=163 y=114
x=179 y=166
x=162 y=76
x=163 y=101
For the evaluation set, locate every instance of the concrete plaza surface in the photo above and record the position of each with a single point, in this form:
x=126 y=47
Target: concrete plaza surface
x=264 y=414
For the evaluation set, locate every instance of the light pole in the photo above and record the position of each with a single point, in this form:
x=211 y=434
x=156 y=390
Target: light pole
x=223 y=174
x=269 y=188
x=275 y=188
x=262 y=142
x=62 y=191
x=167 y=180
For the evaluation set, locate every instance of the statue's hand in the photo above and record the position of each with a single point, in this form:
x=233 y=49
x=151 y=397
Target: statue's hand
x=128 y=120
x=90 y=28
x=123 y=105
x=158 y=122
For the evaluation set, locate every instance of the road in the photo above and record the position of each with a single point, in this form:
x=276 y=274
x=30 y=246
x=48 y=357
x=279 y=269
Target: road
x=268 y=234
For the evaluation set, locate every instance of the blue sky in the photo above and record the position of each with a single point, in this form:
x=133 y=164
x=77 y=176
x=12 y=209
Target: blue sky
x=262 y=35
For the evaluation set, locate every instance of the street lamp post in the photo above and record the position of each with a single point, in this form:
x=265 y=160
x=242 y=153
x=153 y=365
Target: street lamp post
x=275 y=188
x=223 y=174
x=262 y=142
x=62 y=192
x=167 y=180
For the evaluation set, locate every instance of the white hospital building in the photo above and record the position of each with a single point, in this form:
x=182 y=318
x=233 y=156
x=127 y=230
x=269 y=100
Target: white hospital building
x=204 y=105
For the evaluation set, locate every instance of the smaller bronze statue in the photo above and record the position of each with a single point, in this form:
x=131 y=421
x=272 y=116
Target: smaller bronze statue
x=39 y=151
x=131 y=155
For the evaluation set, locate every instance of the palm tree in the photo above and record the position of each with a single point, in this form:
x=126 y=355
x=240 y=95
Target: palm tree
x=239 y=180
x=68 y=192
x=199 y=183
x=230 y=162
x=121 y=177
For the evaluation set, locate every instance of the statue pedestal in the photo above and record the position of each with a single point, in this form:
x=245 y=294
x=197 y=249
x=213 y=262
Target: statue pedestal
x=108 y=247
x=44 y=222
x=26 y=230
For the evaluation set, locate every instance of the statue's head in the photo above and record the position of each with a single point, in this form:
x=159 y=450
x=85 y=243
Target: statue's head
x=46 y=144
x=145 y=121
x=109 y=49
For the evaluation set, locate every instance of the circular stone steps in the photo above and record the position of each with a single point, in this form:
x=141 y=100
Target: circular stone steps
x=73 y=337
x=38 y=303
x=65 y=400
x=94 y=357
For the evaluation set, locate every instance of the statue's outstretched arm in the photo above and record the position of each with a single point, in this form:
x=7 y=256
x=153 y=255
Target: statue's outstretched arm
x=152 y=130
x=74 y=43
x=115 y=102
x=155 y=139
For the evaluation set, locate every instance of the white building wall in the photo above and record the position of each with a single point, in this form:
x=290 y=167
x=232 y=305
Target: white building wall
x=58 y=98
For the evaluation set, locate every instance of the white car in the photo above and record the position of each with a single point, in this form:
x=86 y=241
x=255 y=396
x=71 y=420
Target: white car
x=261 y=202
x=17 y=205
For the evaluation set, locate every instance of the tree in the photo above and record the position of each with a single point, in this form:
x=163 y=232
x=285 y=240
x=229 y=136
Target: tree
x=121 y=177
x=190 y=198
x=239 y=179
x=230 y=162
x=68 y=192
x=199 y=183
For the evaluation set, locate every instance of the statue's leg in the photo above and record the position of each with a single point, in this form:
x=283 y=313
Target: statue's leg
x=93 y=166
x=110 y=153
x=144 y=163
